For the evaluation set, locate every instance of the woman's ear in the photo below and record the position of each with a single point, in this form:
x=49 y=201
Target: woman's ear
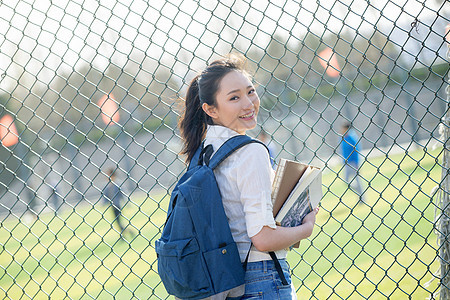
x=210 y=110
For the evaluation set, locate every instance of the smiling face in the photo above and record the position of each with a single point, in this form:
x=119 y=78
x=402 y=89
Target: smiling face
x=237 y=103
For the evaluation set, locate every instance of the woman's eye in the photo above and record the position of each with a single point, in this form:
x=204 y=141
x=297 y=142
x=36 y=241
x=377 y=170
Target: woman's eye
x=252 y=91
x=234 y=98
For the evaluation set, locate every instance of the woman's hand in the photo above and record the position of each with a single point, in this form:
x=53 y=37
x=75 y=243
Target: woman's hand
x=309 y=220
x=273 y=239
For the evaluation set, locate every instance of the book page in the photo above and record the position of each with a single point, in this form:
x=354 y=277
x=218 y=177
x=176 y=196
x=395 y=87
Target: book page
x=315 y=189
x=278 y=177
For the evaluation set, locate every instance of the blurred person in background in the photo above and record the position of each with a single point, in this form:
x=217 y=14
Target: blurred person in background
x=31 y=213
x=350 y=155
x=114 y=196
x=54 y=194
x=264 y=137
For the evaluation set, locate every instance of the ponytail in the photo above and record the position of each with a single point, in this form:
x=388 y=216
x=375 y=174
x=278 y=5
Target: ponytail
x=193 y=123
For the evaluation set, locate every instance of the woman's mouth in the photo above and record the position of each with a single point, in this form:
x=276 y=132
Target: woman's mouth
x=248 y=116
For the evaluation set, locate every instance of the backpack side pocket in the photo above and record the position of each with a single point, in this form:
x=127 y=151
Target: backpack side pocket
x=182 y=267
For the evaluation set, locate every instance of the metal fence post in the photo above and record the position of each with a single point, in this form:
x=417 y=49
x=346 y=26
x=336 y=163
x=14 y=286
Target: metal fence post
x=444 y=231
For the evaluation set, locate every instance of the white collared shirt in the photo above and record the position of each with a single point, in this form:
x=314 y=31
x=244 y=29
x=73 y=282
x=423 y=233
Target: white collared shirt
x=245 y=183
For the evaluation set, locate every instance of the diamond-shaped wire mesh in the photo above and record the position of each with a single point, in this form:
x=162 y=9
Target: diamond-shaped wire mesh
x=89 y=102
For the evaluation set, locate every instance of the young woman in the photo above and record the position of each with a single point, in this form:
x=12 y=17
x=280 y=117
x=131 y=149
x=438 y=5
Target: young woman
x=222 y=102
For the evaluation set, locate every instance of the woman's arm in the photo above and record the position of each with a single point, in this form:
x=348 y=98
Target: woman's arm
x=274 y=239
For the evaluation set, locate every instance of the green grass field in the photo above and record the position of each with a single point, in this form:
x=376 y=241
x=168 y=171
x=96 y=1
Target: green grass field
x=386 y=249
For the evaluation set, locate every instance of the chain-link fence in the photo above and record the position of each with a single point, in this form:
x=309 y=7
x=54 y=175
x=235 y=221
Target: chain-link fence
x=89 y=94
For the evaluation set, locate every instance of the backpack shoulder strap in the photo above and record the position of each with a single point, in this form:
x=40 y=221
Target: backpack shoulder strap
x=229 y=147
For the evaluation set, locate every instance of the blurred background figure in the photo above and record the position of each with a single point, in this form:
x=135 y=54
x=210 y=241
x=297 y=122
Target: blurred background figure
x=54 y=198
x=350 y=155
x=264 y=137
x=31 y=213
x=113 y=196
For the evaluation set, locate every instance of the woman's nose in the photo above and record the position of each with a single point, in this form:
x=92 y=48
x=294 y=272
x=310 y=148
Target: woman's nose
x=249 y=102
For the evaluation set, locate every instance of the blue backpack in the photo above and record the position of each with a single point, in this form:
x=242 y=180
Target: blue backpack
x=197 y=256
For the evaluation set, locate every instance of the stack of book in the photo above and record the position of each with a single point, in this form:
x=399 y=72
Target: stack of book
x=296 y=191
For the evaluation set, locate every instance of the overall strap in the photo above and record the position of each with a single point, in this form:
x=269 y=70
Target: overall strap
x=275 y=261
x=278 y=267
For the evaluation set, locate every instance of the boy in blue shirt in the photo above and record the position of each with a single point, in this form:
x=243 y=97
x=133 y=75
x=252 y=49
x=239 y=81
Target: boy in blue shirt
x=350 y=155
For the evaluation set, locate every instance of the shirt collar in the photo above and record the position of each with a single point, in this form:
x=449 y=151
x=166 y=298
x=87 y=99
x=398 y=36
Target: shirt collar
x=217 y=131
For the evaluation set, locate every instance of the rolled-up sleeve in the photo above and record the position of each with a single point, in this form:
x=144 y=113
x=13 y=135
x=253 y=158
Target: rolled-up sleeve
x=254 y=179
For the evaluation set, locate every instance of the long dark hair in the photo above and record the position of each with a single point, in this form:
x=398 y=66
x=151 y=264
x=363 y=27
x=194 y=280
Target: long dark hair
x=203 y=89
